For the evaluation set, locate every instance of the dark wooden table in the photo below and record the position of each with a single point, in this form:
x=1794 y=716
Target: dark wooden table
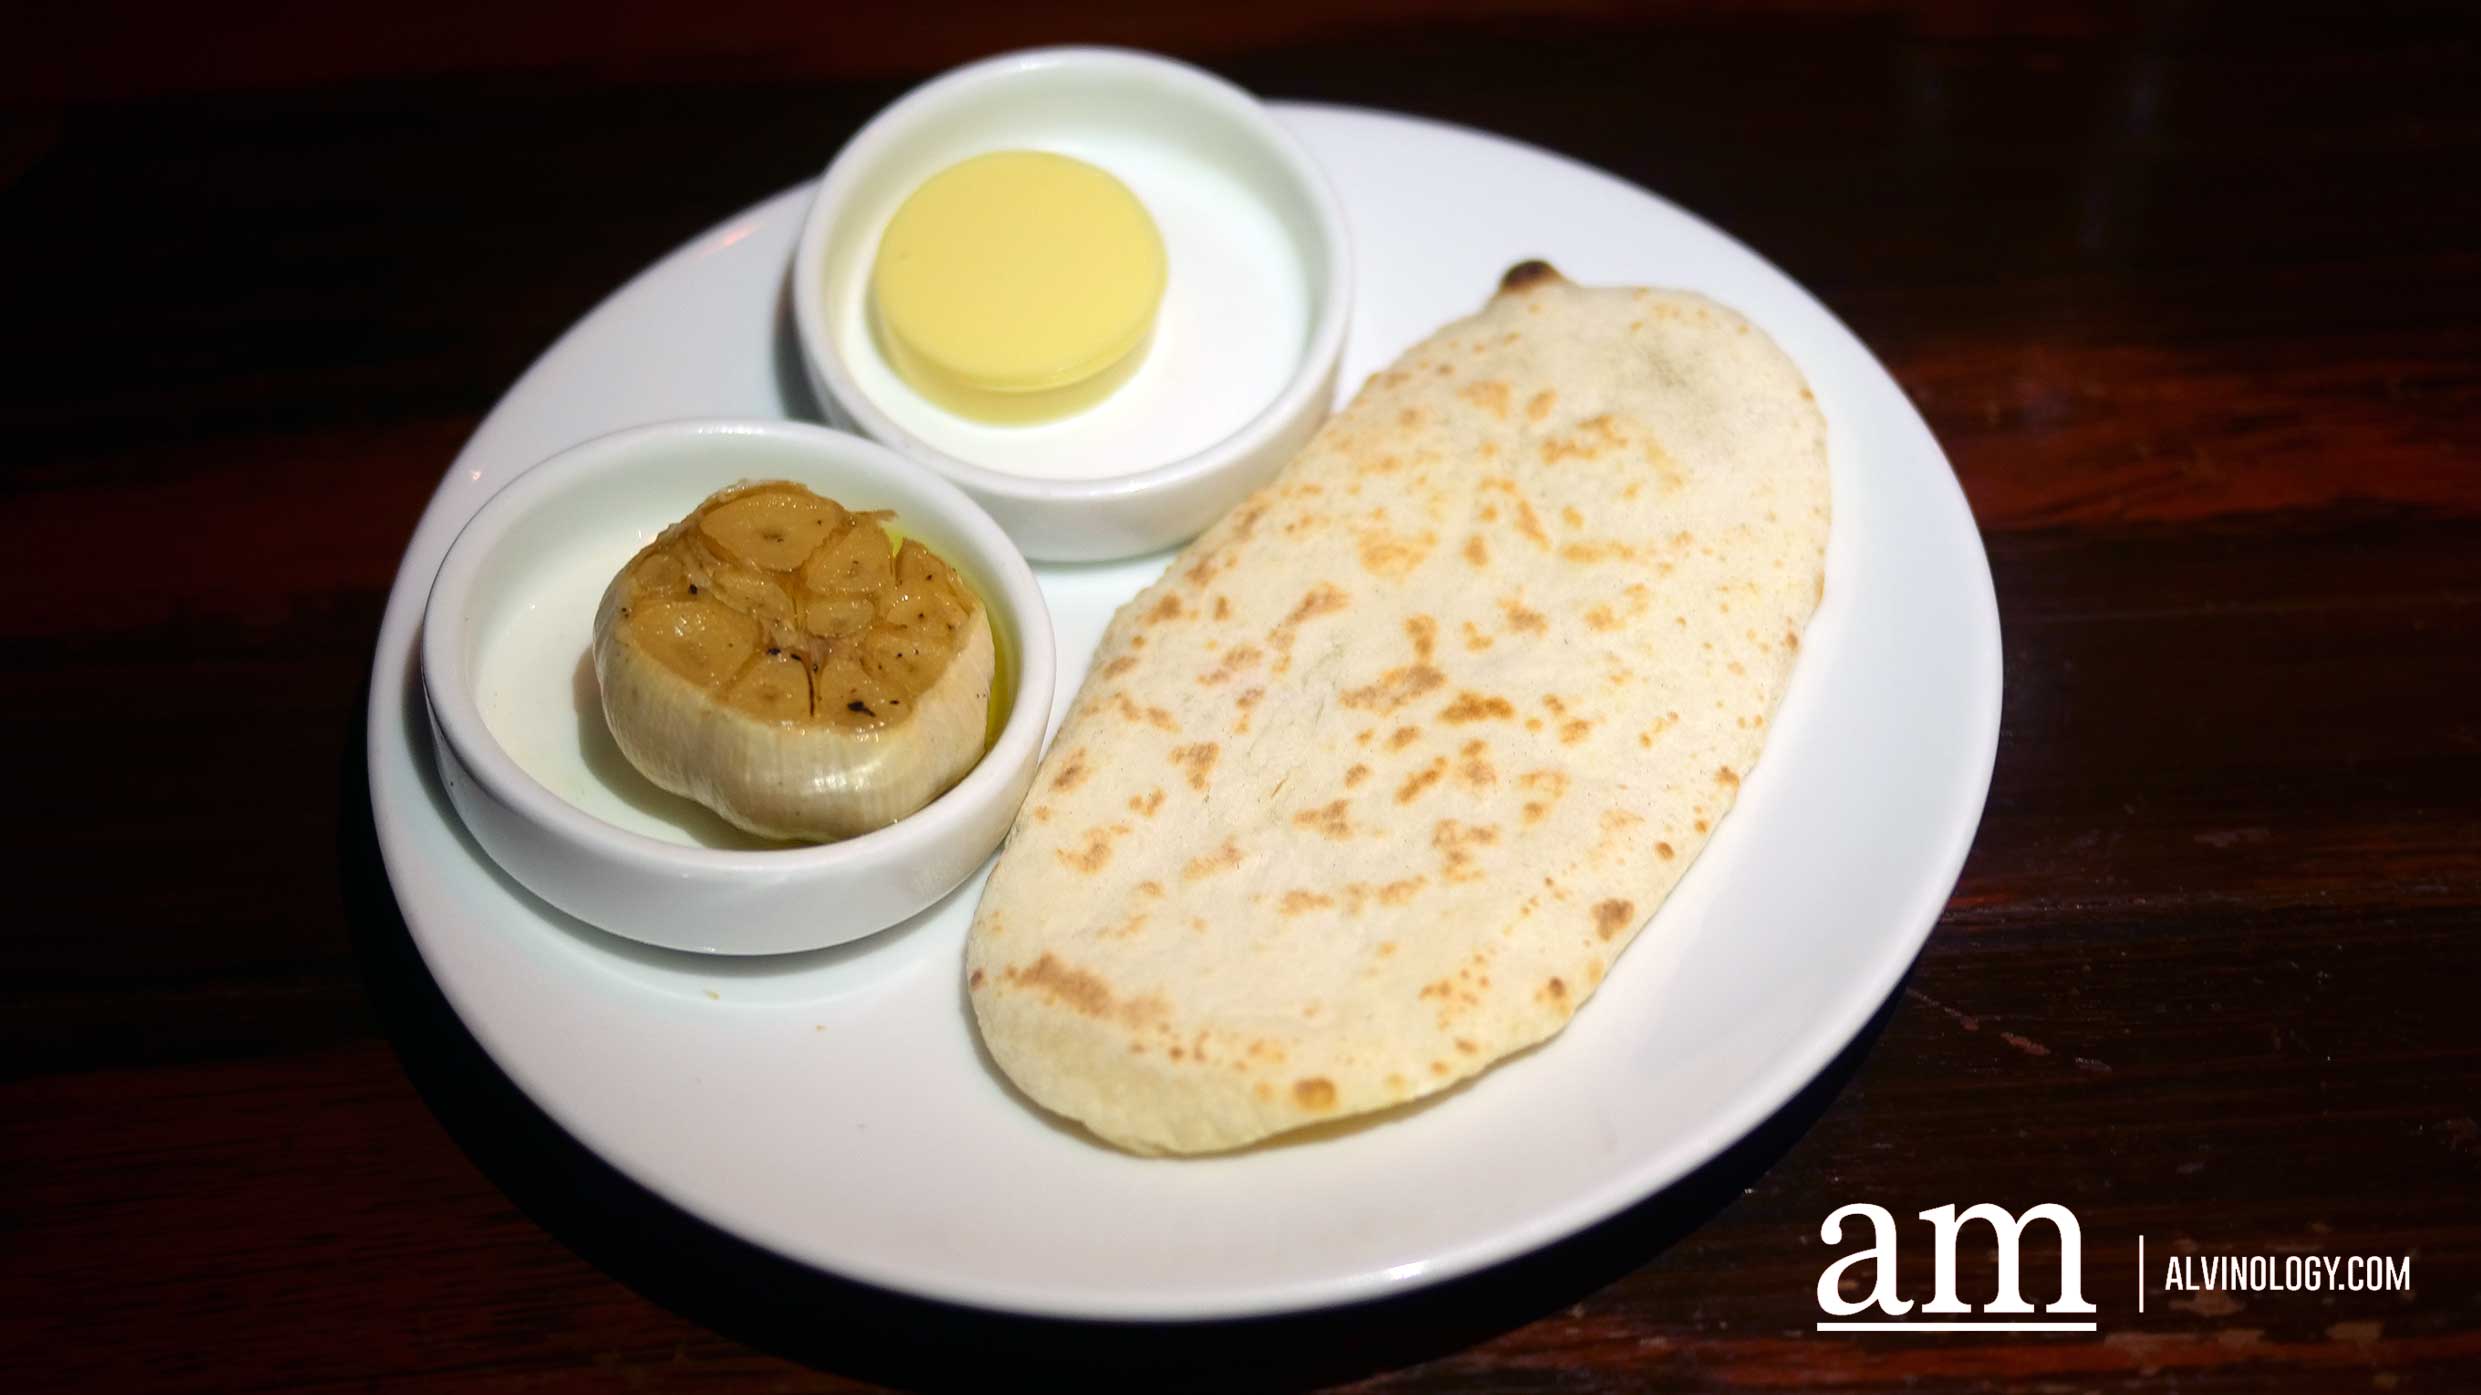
x=2191 y=293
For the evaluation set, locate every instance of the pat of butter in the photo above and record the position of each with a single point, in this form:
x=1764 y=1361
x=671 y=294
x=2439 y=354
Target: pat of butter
x=1018 y=286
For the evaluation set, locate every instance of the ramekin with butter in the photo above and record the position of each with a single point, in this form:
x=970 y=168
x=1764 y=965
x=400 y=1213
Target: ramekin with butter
x=1103 y=292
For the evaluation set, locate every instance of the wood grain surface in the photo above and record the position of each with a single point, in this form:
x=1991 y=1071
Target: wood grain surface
x=2190 y=292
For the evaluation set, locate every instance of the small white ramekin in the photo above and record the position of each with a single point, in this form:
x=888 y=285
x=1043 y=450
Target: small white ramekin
x=600 y=501
x=986 y=106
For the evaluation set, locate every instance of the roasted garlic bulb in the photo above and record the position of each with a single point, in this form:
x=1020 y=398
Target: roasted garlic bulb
x=775 y=658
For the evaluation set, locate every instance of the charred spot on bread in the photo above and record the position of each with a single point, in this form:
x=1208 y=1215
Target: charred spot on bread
x=1526 y=275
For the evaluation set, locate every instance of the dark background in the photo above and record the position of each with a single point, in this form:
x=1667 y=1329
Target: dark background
x=2191 y=293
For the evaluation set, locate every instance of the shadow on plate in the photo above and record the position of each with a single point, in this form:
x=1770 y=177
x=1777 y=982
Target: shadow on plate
x=800 y=1314
x=792 y=374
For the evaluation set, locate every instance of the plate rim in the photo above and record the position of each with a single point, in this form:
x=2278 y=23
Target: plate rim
x=1628 y=1184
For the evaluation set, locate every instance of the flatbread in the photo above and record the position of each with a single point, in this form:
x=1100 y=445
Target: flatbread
x=1372 y=788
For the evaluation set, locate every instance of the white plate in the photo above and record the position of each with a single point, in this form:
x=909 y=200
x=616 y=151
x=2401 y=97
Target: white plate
x=835 y=1107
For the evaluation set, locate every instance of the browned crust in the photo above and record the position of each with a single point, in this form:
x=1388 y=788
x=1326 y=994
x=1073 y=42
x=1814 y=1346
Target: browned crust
x=1526 y=275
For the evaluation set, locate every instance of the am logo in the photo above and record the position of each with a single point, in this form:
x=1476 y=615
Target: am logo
x=1947 y=1227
